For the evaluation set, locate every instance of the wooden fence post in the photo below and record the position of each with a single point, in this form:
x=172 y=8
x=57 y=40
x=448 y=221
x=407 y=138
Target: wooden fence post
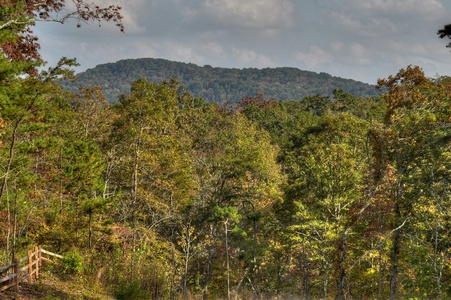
x=16 y=271
x=30 y=266
x=34 y=258
x=40 y=256
x=38 y=260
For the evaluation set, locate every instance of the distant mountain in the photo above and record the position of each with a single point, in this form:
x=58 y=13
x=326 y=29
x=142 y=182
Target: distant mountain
x=217 y=84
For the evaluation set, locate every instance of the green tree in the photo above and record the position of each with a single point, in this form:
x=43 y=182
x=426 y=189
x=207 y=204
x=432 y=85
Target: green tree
x=153 y=172
x=46 y=164
x=445 y=32
x=150 y=168
x=327 y=167
x=236 y=171
x=411 y=141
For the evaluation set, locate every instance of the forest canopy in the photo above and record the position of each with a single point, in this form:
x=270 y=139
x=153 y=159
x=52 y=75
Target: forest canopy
x=218 y=85
x=326 y=196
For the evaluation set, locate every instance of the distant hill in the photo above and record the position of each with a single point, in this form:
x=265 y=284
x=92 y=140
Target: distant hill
x=217 y=84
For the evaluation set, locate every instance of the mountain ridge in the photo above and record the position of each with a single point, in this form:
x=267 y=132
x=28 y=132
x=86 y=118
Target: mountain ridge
x=217 y=84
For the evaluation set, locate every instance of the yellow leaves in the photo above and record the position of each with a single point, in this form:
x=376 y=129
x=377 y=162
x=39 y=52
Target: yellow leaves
x=371 y=271
x=186 y=238
x=431 y=118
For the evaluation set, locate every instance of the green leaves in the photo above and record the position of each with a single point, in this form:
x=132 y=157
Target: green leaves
x=255 y=197
x=152 y=166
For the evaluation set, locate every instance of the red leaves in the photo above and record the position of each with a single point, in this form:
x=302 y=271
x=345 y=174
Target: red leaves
x=258 y=101
x=91 y=12
x=23 y=46
x=404 y=90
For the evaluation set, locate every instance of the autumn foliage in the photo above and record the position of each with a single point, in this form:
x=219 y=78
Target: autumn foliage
x=164 y=196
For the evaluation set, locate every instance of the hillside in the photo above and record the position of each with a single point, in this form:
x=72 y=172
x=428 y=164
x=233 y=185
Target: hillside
x=217 y=84
x=51 y=286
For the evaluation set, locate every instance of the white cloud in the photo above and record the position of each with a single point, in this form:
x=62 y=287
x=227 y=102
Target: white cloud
x=359 y=39
x=382 y=18
x=213 y=49
x=250 y=57
x=400 y=7
x=361 y=26
x=130 y=11
x=251 y=13
x=199 y=53
x=359 y=53
x=180 y=51
x=313 y=57
x=188 y=12
x=138 y=49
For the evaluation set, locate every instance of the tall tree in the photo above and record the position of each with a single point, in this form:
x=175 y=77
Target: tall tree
x=45 y=162
x=327 y=168
x=238 y=181
x=153 y=171
x=17 y=41
x=416 y=126
x=445 y=32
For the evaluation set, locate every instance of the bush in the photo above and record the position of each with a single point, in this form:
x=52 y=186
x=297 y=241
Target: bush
x=128 y=290
x=72 y=263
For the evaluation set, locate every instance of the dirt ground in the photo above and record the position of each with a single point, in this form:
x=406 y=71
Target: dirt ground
x=50 y=287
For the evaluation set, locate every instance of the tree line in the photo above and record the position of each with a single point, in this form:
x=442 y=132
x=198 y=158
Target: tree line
x=324 y=197
x=217 y=85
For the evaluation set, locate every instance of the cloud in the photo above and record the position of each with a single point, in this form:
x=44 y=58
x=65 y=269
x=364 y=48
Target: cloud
x=359 y=53
x=400 y=7
x=180 y=51
x=251 y=13
x=366 y=27
x=213 y=49
x=130 y=11
x=313 y=57
x=384 y=18
x=360 y=39
x=251 y=58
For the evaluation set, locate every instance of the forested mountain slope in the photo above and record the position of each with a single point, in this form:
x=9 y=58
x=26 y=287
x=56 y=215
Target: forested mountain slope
x=164 y=196
x=217 y=84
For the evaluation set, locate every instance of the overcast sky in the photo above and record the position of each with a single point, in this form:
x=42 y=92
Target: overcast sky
x=358 y=39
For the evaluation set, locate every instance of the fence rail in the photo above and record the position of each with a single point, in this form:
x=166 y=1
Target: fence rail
x=12 y=275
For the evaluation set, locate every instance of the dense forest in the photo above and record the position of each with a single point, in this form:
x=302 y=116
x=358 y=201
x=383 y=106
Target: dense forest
x=322 y=197
x=218 y=85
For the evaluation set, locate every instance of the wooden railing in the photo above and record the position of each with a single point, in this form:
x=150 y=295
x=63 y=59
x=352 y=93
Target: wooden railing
x=12 y=275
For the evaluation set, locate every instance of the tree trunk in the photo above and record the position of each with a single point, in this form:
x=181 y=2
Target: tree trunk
x=227 y=258
x=187 y=259
x=342 y=244
x=380 y=285
x=10 y=161
x=5 y=185
x=305 y=266
x=395 y=262
x=90 y=230
x=438 y=270
x=395 y=249
x=397 y=236
x=209 y=263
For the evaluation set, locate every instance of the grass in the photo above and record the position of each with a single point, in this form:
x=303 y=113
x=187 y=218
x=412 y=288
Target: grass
x=50 y=286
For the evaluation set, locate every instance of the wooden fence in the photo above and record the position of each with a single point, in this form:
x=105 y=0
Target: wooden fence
x=12 y=275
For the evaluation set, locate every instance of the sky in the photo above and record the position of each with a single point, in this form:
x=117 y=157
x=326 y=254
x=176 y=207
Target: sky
x=362 y=40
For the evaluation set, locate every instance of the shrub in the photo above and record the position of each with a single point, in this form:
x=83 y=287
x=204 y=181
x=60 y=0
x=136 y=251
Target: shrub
x=72 y=263
x=126 y=290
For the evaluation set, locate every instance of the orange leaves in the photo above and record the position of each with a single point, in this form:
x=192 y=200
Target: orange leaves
x=2 y=129
x=404 y=91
